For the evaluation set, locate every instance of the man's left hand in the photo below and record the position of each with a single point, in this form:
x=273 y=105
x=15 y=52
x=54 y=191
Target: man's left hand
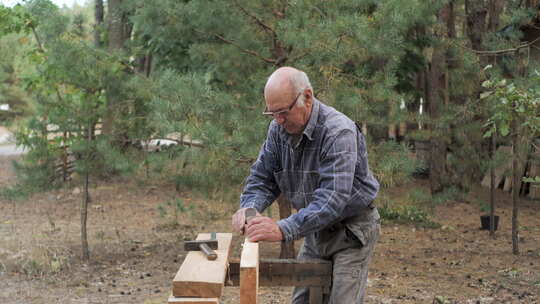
x=262 y=228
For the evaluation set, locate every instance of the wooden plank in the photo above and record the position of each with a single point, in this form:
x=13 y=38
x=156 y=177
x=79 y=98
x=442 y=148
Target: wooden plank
x=175 y=300
x=507 y=183
x=534 y=189
x=534 y=192
x=287 y=248
x=249 y=273
x=286 y=272
x=315 y=295
x=200 y=278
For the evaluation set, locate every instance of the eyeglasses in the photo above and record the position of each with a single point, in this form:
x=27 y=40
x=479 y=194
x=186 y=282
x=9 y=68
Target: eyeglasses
x=284 y=111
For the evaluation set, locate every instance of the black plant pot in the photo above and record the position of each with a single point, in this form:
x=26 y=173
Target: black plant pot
x=485 y=220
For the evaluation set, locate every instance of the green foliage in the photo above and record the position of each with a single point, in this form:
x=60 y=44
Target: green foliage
x=173 y=209
x=210 y=62
x=407 y=215
x=13 y=20
x=391 y=163
x=419 y=197
x=532 y=180
x=15 y=192
x=485 y=207
x=511 y=103
x=449 y=194
x=68 y=86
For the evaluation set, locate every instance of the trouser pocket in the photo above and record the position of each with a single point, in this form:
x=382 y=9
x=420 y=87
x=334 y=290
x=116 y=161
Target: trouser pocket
x=335 y=239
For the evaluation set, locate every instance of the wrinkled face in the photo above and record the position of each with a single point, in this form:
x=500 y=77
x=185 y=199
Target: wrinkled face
x=288 y=111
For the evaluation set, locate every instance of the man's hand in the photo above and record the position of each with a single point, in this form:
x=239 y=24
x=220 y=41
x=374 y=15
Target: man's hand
x=239 y=220
x=262 y=228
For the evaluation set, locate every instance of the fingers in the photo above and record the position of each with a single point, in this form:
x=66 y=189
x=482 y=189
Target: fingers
x=257 y=233
x=263 y=228
x=238 y=220
x=256 y=225
x=256 y=220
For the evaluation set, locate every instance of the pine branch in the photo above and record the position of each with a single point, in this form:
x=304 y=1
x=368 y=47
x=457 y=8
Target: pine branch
x=37 y=38
x=300 y=56
x=243 y=50
x=250 y=52
x=257 y=19
x=498 y=52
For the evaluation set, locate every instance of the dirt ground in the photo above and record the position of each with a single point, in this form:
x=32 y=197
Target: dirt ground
x=136 y=249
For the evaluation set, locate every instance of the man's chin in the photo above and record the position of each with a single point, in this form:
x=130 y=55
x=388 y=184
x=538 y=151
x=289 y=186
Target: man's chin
x=291 y=131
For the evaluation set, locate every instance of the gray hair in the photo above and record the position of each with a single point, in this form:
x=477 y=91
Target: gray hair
x=300 y=82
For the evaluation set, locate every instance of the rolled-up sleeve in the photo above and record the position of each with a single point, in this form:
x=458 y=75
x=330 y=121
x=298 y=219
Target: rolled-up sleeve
x=336 y=175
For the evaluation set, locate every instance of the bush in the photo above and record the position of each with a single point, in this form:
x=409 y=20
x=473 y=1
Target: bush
x=407 y=214
x=391 y=163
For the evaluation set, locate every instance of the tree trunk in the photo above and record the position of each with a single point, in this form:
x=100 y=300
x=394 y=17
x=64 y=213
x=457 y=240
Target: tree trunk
x=515 y=191
x=531 y=4
x=85 y=201
x=449 y=17
x=98 y=12
x=492 y=189
x=476 y=22
x=144 y=65
x=116 y=25
x=437 y=97
x=437 y=159
x=84 y=214
x=116 y=30
x=495 y=9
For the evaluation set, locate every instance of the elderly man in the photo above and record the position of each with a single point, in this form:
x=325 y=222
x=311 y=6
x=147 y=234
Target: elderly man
x=317 y=157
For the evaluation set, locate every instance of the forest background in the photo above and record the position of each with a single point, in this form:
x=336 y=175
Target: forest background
x=170 y=92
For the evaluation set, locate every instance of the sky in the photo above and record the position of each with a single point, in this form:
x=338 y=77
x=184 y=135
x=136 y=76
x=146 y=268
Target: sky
x=60 y=3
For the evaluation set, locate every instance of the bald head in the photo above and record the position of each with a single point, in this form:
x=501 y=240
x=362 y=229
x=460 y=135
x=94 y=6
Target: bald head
x=285 y=82
x=288 y=93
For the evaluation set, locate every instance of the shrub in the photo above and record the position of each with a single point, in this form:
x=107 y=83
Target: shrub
x=391 y=163
x=406 y=214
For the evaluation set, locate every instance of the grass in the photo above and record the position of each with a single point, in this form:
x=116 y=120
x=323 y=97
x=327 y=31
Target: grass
x=412 y=208
x=408 y=215
x=14 y=193
x=37 y=260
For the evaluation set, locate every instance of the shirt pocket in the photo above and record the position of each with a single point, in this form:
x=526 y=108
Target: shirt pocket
x=298 y=186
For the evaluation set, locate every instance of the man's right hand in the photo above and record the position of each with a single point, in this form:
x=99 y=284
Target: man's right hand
x=239 y=220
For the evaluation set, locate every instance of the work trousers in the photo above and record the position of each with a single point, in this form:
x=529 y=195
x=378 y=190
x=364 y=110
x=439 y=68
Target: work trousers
x=349 y=245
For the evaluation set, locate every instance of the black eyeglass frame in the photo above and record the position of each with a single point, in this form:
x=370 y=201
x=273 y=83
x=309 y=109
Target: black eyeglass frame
x=284 y=111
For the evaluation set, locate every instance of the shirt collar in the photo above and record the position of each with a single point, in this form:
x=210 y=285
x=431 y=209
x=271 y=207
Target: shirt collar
x=310 y=127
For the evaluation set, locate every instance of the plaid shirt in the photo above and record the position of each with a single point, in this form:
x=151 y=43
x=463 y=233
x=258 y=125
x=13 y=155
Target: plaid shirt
x=324 y=174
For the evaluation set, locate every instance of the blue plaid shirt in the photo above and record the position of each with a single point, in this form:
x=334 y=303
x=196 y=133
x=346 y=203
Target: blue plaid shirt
x=324 y=174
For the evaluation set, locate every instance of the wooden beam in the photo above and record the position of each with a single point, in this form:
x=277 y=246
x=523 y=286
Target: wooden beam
x=286 y=272
x=175 y=300
x=315 y=295
x=249 y=273
x=200 y=278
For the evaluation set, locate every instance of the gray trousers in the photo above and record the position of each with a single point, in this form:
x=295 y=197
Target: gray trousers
x=349 y=245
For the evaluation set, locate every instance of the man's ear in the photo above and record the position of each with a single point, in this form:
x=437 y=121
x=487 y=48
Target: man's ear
x=308 y=97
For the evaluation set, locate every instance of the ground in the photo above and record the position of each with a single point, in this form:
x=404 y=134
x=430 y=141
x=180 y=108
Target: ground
x=136 y=248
